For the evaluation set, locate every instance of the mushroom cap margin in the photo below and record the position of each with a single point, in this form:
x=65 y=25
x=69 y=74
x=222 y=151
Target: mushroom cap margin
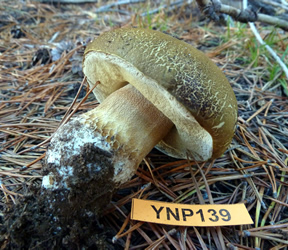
x=190 y=82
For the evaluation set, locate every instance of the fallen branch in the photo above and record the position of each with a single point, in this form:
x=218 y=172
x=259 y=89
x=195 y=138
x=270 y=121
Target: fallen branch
x=212 y=8
x=269 y=49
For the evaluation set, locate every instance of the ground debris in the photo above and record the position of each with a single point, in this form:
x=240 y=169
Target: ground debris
x=41 y=47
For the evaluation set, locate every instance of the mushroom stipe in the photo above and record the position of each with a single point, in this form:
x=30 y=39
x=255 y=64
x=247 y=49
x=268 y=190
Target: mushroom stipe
x=154 y=90
x=183 y=83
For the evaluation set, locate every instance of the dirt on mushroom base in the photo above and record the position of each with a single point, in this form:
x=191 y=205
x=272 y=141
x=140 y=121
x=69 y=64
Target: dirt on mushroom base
x=65 y=218
x=247 y=82
x=38 y=222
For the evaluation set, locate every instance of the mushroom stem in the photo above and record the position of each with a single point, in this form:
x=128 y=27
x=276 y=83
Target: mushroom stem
x=114 y=138
x=134 y=122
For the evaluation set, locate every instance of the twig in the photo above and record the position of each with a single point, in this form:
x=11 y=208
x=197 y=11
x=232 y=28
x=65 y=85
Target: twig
x=118 y=3
x=170 y=7
x=211 y=8
x=270 y=50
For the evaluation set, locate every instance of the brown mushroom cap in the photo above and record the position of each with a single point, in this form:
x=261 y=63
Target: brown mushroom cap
x=182 y=82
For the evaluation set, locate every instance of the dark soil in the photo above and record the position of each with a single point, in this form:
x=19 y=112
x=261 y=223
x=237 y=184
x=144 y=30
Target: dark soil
x=40 y=73
x=33 y=224
x=65 y=217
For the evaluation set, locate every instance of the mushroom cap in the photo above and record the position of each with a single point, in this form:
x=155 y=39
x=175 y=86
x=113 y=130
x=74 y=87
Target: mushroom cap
x=182 y=82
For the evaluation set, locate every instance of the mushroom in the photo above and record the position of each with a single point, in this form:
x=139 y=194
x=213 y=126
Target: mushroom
x=155 y=90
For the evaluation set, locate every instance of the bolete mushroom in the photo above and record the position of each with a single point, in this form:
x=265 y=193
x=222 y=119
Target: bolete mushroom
x=155 y=90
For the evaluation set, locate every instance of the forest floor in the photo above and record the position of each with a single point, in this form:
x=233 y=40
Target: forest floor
x=41 y=49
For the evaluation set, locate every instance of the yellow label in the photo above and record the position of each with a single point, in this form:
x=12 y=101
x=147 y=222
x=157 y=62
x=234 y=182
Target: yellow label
x=189 y=215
